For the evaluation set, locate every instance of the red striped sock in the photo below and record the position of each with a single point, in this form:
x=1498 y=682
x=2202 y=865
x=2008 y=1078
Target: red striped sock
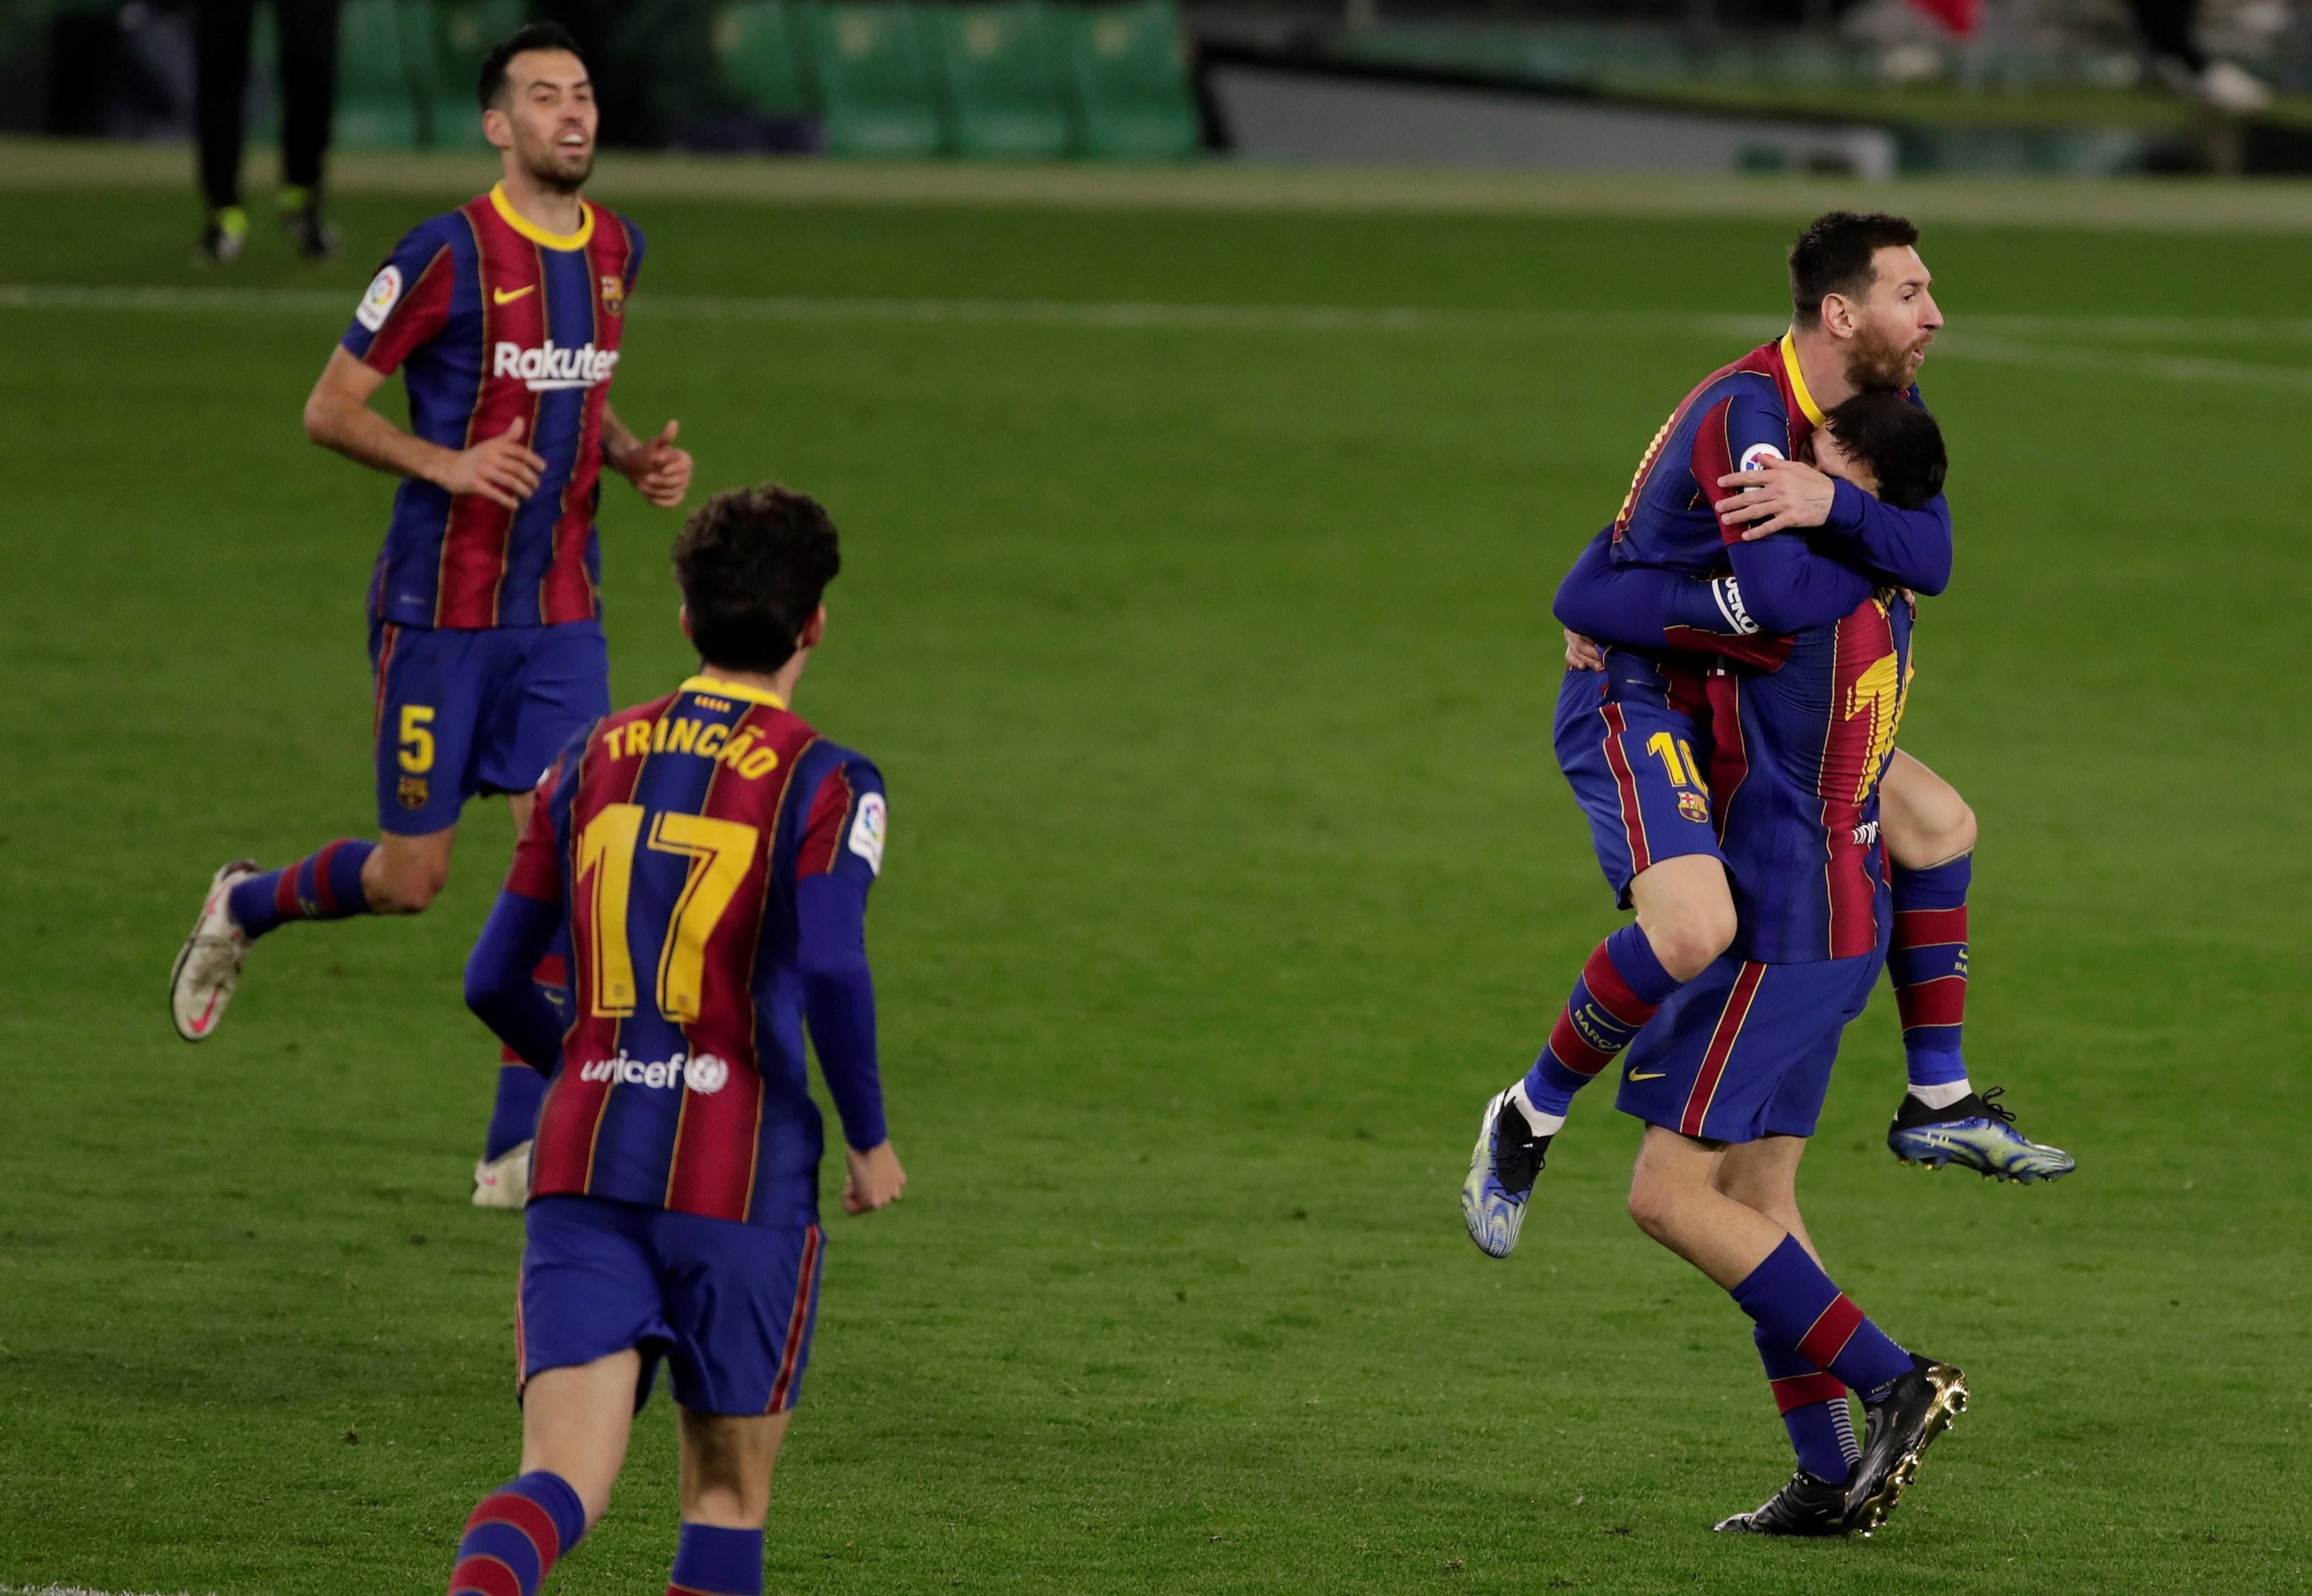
x=516 y=1535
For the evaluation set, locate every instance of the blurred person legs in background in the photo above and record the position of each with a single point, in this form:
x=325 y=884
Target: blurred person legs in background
x=2177 y=60
x=308 y=35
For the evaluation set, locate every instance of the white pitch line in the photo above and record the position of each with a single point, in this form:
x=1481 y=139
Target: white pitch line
x=2081 y=343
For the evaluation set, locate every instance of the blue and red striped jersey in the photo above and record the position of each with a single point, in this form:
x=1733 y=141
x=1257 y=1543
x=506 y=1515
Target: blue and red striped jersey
x=1797 y=753
x=676 y=834
x=491 y=318
x=1757 y=404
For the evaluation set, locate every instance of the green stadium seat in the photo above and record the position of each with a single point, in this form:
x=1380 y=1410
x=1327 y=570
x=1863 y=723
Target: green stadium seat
x=1127 y=72
x=376 y=109
x=874 y=82
x=999 y=77
x=761 y=59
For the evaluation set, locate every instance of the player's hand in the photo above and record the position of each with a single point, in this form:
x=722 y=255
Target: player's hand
x=1582 y=653
x=1779 y=494
x=875 y=1178
x=501 y=469
x=659 y=472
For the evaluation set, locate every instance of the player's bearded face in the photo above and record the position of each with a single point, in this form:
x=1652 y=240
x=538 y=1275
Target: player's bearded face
x=554 y=120
x=1879 y=358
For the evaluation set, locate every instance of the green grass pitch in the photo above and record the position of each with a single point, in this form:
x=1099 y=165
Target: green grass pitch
x=1209 y=662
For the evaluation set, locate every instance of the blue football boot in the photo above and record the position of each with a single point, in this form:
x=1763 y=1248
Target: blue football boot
x=1975 y=1133
x=1502 y=1172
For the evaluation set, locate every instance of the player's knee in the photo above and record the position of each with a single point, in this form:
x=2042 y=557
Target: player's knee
x=1690 y=940
x=407 y=885
x=1654 y=1206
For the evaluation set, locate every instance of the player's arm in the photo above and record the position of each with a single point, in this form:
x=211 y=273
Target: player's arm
x=1635 y=606
x=501 y=983
x=1906 y=547
x=501 y=986
x=337 y=415
x=1903 y=547
x=844 y=840
x=659 y=472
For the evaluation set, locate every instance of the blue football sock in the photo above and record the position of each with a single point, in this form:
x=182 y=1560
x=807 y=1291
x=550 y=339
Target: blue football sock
x=1620 y=988
x=1797 y=1305
x=1927 y=961
x=521 y=1530
x=322 y=885
x=1813 y=1405
x=714 y=1562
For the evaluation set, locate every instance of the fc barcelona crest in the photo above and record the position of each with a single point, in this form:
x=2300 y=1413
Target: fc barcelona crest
x=614 y=295
x=1693 y=806
x=412 y=792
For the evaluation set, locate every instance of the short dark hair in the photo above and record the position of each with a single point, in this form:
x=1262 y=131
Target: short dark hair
x=529 y=36
x=1899 y=441
x=1834 y=256
x=752 y=564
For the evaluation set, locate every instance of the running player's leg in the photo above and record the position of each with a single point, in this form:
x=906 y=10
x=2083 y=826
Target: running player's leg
x=588 y=1331
x=560 y=685
x=1730 y=1082
x=726 y=1494
x=1635 y=761
x=1930 y=834
x=428 y=698
x=742 y=1301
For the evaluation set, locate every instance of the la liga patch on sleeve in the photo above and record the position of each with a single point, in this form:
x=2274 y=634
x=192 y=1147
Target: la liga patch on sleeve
x=377 y=304
x=867 y=830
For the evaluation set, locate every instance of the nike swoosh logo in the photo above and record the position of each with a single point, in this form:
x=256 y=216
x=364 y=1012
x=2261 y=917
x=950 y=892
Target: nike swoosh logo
x=500 y=296
x=1645 y=1075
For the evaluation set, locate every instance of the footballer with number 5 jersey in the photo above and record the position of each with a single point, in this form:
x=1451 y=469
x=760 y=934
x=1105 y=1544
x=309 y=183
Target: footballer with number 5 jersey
x=707 y=856
x=504 y=318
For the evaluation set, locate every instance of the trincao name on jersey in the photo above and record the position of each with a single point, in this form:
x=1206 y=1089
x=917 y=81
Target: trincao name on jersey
x=1758 y=406
x=1796 y=755
x=676 y=834
x=492 y=320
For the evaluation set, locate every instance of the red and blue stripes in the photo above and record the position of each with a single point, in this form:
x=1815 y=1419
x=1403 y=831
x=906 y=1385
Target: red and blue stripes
x=516 y=1535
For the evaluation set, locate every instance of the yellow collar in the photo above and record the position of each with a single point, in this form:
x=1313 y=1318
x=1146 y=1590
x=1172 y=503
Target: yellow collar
x=731 y=689
x=1790 y=367
x=535 y=233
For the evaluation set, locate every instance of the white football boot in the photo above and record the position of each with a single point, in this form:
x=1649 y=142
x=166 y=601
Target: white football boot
x=503 y=1181
x=209 y=966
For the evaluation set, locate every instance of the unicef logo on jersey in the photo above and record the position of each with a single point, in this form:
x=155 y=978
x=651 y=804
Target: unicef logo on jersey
x=705 y=1074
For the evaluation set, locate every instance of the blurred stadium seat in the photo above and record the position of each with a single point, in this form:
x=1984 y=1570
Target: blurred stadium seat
x=999 y=77
x=874 y=80
x=1127 y=75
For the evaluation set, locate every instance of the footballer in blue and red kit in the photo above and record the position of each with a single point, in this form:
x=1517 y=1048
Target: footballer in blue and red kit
x=708 y=857
x=712 y=855
x=486 y=620
x=485 y=614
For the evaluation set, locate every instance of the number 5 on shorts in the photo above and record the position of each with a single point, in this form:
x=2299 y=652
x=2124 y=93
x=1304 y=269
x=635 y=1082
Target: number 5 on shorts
x=417 y=741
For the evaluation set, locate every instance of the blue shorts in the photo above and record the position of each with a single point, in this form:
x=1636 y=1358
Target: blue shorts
x=1633 y=740
x=465 y=712
x=729 y=1307
x=1744 y=1049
